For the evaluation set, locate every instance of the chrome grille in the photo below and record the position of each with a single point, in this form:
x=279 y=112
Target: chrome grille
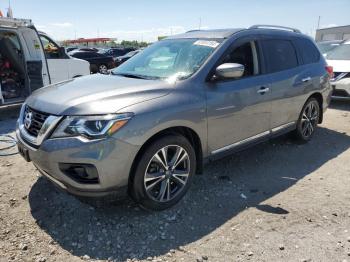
x=37 y=120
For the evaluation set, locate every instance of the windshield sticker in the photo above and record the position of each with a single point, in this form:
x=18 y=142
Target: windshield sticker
x=212 y=44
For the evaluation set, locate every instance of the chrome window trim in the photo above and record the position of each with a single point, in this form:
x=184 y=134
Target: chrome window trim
x=46 y=128
x=252 y=138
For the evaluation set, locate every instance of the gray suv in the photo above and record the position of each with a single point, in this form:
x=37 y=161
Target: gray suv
x=152 y=123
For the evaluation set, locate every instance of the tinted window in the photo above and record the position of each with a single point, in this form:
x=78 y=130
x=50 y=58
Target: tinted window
x=308 y=51
x=80 y=55
x=279 y=55
x=119 y=52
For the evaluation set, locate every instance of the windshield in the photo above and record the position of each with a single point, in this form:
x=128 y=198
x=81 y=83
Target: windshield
x=168 y=58
x=342 y=52
x=103 y=51
x=326 y=47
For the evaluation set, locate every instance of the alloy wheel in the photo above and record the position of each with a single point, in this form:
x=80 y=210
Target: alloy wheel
x=167 y=173
x=103 y=69
x=309 y=119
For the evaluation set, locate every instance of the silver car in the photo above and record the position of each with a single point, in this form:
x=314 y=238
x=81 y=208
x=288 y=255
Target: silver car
x=148 y=127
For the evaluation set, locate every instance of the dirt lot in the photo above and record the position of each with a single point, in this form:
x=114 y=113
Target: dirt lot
x=278 y=201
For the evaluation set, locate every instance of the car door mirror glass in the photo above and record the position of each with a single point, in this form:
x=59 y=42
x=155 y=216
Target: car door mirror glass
x=229 y=71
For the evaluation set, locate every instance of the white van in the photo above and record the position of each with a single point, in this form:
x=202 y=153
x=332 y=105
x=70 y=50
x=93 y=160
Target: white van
x=30 y=60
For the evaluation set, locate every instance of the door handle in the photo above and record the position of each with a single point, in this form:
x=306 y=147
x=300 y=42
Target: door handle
x=263 y=90
x=306 y=79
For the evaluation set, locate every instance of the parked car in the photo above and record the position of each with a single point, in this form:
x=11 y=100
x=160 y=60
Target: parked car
x=30 y=60
x=71 y=48
x=88 y=49
x=147 y=128
x=121 y=59
x=327 y=46
x=339 y=59
x=115 y=52
x=98 y=63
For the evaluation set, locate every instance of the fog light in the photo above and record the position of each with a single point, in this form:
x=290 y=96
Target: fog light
x=81 y=173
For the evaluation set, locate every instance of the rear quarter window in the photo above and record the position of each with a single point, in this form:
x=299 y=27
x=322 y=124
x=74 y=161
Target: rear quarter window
x=279 y=55
x=308 y=51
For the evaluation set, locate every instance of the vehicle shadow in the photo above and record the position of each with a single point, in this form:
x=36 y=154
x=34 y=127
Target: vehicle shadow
x=226 y=188
x=343 y=105
x=8 y=118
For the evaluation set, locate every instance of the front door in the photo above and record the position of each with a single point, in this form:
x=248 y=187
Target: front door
x=239 y=110
x=58 y=63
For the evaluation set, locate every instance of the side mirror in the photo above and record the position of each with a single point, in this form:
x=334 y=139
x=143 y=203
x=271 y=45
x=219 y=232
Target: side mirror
x=229 y=71
x=62 y=52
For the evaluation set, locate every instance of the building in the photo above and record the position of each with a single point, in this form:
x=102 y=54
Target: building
x=333 y=33
x=91 y=42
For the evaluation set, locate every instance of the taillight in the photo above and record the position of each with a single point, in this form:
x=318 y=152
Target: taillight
x=330 y=71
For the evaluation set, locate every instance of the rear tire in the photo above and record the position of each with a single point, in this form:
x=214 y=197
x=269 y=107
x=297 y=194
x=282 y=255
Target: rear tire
x=308 y=120
x=164 y=173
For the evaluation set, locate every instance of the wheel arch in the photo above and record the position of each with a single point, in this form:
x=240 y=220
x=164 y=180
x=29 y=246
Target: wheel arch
x=318 y=96
x=187 y=132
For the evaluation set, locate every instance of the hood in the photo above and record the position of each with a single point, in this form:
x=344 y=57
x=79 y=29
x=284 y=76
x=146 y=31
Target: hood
x=96 y=94
x=340 y=66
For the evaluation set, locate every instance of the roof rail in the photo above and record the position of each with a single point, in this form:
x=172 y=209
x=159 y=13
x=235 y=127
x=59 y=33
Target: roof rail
x=275 y=27
x=194 y=30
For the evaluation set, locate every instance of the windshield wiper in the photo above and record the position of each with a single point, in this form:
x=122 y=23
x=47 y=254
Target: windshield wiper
x=135 y=76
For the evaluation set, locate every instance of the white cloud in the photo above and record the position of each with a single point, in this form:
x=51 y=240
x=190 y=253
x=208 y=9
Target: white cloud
x=148 y=35
x=328 y=25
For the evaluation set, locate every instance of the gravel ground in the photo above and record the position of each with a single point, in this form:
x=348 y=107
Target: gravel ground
x=278 y=201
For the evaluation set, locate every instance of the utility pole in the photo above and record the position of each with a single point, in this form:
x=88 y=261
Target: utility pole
x=318 y=23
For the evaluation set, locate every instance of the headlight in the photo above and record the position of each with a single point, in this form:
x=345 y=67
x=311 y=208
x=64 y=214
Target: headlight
x=91 y=127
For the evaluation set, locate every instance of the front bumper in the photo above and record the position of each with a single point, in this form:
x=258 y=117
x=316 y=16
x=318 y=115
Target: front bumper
x=111 y=157
x=341 y=88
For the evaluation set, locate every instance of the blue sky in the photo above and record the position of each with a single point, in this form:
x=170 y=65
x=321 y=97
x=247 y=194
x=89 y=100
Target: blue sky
x=145 y=20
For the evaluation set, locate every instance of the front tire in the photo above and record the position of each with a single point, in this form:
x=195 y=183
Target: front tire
x=103 y=69
x=308 y=120
x=164 y=173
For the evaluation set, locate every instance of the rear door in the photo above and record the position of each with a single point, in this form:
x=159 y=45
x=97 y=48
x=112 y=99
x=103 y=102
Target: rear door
x=239 y=109
x=287 y=80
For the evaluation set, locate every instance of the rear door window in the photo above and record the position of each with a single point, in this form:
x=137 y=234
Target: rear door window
x=308 y=51
x=279 y=55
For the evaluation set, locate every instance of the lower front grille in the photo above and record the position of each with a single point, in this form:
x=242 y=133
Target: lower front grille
x=33 y=120
x=341 y=93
